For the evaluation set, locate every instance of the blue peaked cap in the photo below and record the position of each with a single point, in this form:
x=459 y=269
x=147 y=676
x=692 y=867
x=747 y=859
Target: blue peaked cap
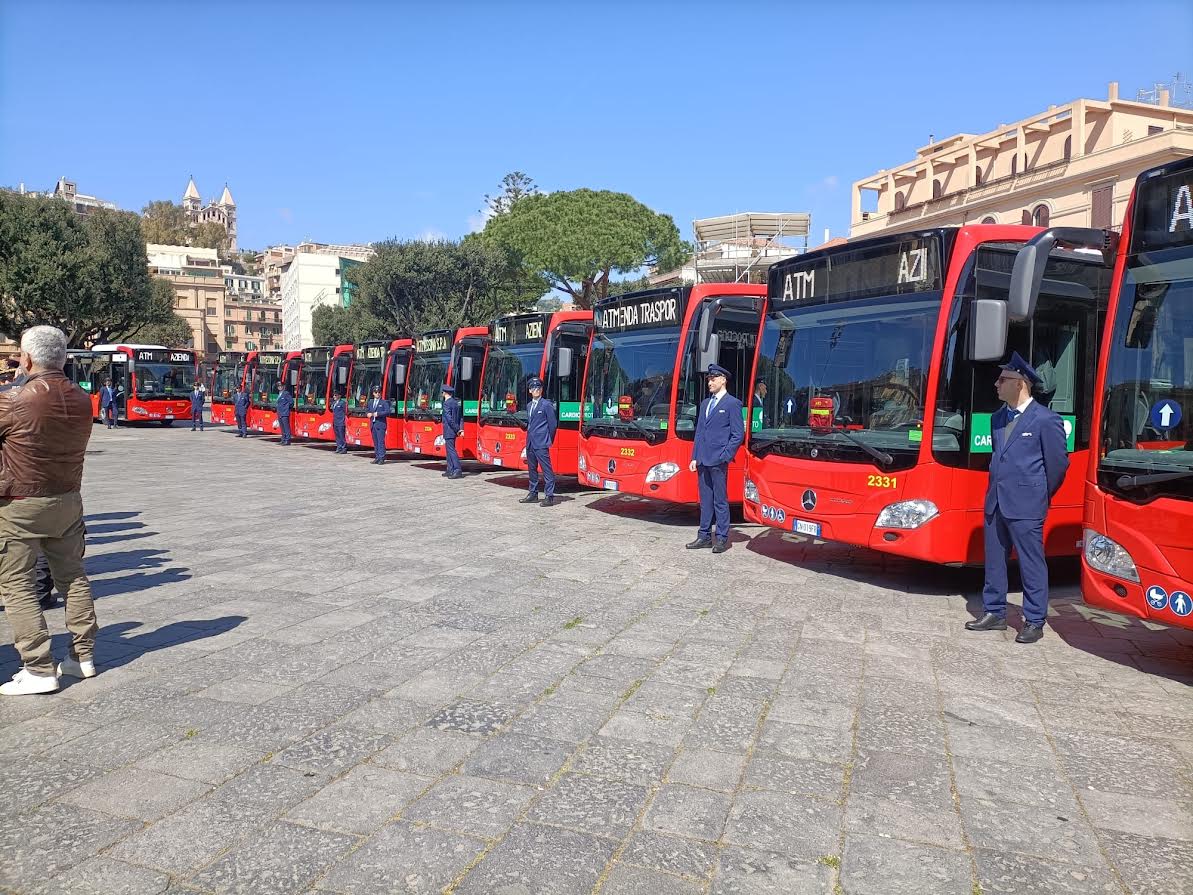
x=534 y=382
x=1018 y=365
x=717 y=370
x=449 y=389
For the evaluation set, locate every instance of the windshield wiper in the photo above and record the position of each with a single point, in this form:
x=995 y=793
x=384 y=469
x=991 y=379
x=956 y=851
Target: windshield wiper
x=649 y=434
x=880 y=456
x=762 y=446
x=1127 y=482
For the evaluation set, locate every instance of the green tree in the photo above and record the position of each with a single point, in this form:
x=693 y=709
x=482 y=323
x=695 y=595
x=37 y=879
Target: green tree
x=514 y=186
x=575 y=240
x=208 y=235
x=334 y=325
x=88 y=277
x=412 y=286
x=164 y=222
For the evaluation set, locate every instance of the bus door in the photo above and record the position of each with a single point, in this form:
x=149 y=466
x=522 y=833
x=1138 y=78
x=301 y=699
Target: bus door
x=563 y=381
x=467 y=368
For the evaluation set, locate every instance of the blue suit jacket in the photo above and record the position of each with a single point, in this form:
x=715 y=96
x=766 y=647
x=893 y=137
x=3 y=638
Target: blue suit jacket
x=285 y=403
x=380 y=407
x=453 y=418
x=1029 y=467
x=339 y=411
x=107 y=396
x=198 y=399
x=718 y=436
x=241 y=402
x=541 y=425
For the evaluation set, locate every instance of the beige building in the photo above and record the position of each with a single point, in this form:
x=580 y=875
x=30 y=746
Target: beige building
x=198 y=282
x=270 y=263
x=252 y=320
x=1073 y=165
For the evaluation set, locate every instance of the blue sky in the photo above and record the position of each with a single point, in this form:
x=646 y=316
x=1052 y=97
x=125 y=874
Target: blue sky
x=354 y=121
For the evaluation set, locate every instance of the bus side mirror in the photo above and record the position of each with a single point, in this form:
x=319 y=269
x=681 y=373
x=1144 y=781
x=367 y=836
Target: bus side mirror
x=341 y=375
x=987 y=329
x=711 y=352
x=1028 y=273
x=564 y=358
x=399 y=374
x=466 y=369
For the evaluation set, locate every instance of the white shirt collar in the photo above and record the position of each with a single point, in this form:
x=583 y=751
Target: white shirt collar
x=1022 y=407
x=719 y=395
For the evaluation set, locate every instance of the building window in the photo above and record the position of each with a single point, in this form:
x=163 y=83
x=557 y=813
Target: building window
x=211 y=310
x=1101 y=206
x=936 y=189
x=1025 y=218
x=900 y=201
x=1014 y=164
x=1039 y=215
x=1068 y=147
x=977 y=175
x=989 y=219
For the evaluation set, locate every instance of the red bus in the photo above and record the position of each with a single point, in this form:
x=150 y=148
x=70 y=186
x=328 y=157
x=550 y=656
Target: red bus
x=444 y=357
x=551 y=346
x=324 y=371
x=1138 y=538
x=645 y=381
x=263 y=376
x=227 y=375
x=872 y=423
x=384 y=364
x=153 y=383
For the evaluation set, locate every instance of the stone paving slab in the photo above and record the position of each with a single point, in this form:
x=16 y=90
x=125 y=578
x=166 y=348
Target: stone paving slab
x=322 y=676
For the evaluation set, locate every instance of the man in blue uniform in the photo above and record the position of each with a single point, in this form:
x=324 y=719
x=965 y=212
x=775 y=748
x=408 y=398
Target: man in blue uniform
x=1028 y=463
x=541 y=423
x=719 y=432
x=107 y=403
x=378 y=413
x=285 y=406
x=339 y=422
x=453 y=425
x=240 y=405
x=198 y=398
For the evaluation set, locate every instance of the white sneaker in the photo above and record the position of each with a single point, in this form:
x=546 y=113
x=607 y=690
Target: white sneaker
x=25 y=683
x=69 y=667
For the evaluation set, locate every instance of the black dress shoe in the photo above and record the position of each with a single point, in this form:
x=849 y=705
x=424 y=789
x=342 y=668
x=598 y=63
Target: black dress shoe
x=699 y=544
x=988 y=622
x=720 y=547
x=530 y=498
x=1030 y=633
x=548 y=502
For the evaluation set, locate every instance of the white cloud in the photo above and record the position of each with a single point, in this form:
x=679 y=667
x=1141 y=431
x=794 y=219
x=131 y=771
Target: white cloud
x=431 y=234
x=476 y=222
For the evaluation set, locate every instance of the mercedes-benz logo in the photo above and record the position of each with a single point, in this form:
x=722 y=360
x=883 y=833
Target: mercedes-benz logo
x=497 y=447
x=612 y=466
x=808 y=500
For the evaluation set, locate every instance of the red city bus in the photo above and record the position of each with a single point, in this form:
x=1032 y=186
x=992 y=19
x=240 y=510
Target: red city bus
x=645 y=381
x=551 y=346
x=872 y=423
x=324 y=371
x=263 y=375
x=227 y=375
x=1138 y=524
x=384 y=364
x=153 y=383
x=444 y=357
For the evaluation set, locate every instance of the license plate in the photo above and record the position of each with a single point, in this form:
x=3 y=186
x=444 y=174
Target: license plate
x=169 y=416
x=497 y=461
x=799 y=526
x=610 y=486
x=358 y=442
x=418 y=450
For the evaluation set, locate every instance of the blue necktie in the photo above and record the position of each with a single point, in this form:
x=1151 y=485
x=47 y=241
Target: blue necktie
x=711 y=405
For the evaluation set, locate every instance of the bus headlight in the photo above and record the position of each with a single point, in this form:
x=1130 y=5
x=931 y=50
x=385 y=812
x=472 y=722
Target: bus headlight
x=1109 y=556
x=323 y=427
x=751 y=491
x=439 y=442
x=582 y=464
x=907 y=514
x=140 y=411
x=662 y=472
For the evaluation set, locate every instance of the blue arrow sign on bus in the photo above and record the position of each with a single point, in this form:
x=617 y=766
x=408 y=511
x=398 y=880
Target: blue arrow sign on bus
x=1165 y=415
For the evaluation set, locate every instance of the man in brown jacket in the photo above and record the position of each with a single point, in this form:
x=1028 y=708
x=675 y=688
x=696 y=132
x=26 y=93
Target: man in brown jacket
x=44 y=427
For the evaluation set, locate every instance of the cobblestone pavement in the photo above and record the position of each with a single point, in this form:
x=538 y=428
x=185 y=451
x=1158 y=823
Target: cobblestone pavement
x=322 y=676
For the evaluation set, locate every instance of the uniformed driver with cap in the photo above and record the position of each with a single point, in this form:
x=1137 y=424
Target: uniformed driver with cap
x=1028 y=462
x=720 y=430
x=541 y=423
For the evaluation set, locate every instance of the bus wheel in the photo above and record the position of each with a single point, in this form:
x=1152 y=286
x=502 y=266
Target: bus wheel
x=167 y=422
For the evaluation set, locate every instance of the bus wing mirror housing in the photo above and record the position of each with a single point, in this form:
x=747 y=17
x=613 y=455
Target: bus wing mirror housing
x=294 y=377
x=711 y=352
x=1028 y=273
x=466 y=369
x=399 y=374
x=341 y=375
x=987 y=329
x=564 y=358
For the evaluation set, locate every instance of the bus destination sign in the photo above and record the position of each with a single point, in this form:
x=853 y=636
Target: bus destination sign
x=315 y=355
x=893 y=267
x=1164 y=217
x=639 y=312
x=168 y=356
x=230 y=357
x=370 y=351
x=270 y=358
x=520 y=330
x=434 y=343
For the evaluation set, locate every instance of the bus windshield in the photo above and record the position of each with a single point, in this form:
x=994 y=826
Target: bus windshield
x=366 y=374
x=227 y=380
x=265 y=386
x=628 y=386
x=312 y=387
x=507 y=371
x=843 y=377
x=1147 y=419
x=424 y=391
x=164 y=380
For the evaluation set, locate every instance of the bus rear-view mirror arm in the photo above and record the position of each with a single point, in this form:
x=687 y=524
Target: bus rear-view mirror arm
x=1028 y=272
